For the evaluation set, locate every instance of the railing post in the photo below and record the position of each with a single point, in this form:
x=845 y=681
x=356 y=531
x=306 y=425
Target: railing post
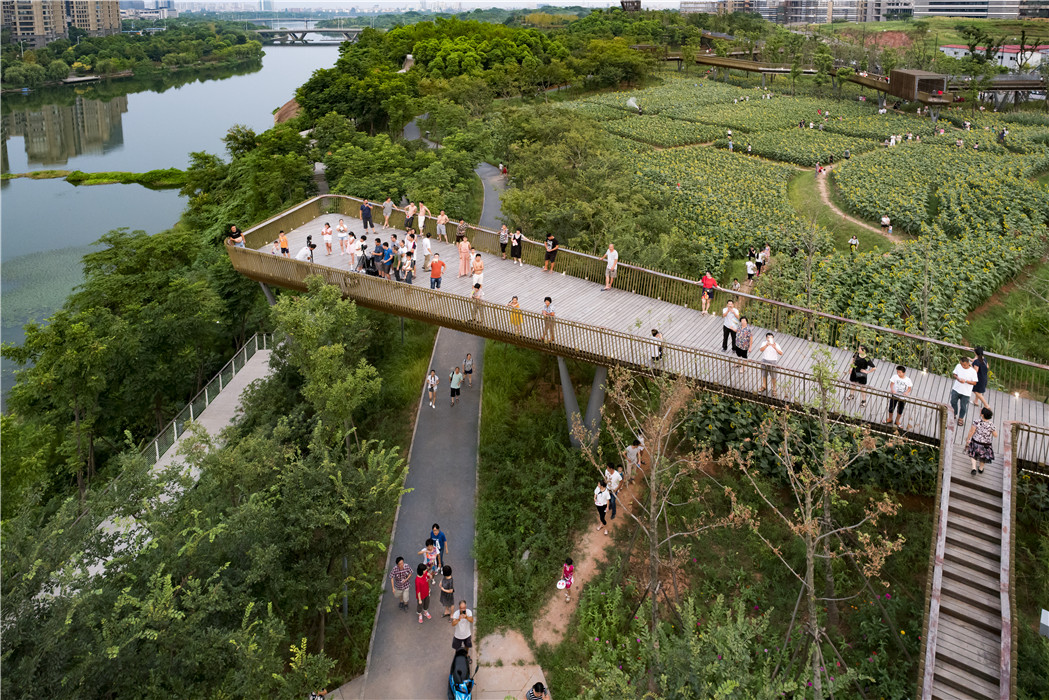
x=156 y=449
x=191 y=411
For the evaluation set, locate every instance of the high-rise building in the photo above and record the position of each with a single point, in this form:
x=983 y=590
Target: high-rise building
x=886 y=10
x=969 y=9
x=33 y=22
x=96 y=17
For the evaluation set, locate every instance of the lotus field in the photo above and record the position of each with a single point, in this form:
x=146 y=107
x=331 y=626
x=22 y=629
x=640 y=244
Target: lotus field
x=662 y=131
x=800 y=146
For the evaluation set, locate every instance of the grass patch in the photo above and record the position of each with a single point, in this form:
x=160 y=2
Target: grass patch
x=1043 y=179
x=168 y=178
x=804 y=196
x=1014 y=322
x=534 y=491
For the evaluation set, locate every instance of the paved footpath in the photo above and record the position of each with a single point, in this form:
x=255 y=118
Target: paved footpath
x=408 y=660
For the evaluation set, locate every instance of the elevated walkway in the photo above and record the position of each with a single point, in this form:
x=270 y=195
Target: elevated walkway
x=613 y=327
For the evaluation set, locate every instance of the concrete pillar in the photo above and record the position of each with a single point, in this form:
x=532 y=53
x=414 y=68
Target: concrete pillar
x=571 y=404
x=592 y=421
x=270 y=299
x=763 y=81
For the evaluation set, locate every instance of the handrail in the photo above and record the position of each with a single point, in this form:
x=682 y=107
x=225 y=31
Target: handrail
x=894 y=345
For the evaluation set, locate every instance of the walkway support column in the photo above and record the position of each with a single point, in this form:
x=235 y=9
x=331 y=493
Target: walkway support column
x=270 y=299
x=571 y=404
x=592 y=421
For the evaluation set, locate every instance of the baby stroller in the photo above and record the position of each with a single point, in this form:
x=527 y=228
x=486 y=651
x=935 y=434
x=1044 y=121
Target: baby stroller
x=460 y=684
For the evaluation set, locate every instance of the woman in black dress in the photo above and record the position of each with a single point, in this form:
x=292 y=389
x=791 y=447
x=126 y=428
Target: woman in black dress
x=979 y=446
x=861 y=367
x=982 y=372
x=515 y=246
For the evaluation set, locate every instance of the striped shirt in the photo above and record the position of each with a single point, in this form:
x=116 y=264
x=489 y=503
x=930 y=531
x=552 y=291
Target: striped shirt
x=400 y=577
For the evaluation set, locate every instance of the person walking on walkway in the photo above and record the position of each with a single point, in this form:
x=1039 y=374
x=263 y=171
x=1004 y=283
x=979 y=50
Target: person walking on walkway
x=982 y=374
x=465 y=252
x=351 y=250
x=515 y=314
x=965 y=378
x=477 y=298
x=979 y=441
x=612 y=256
x=632 y=459
x=601 y=499
x=537 y=692
x=442 y=231
x=366 y=216
x=282 y=241
x=441 y=541
x=462 y=622
x=899 y=387
x=613 y=478
x=456 y=382
x=401 y=575
x=504 y=238
x=515 y=246
x=468 y=370
x=709 y=283
x=549 y=318
x=729 y=325
x=426 y=249
x=447 y=587
x=387 y=211
x=431 y=556
x=770 y=354
x=477 y=268
x=741 y=343
x=422 y=592
x=436 y=270
x=432 y=380
x=861 y=367
x=326 y=236
x=550 y=257
x=657 y=338
x=567 y=577
x=342 y=231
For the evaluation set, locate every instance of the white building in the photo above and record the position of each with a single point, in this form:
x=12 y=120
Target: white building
x=1007 y=57
x=887 y=10
x=971 y=9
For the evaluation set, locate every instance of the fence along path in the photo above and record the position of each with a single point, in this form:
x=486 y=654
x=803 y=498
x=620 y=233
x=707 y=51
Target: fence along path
x=613 y=327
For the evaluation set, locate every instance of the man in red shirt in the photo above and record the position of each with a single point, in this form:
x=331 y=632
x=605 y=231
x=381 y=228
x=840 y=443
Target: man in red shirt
x=709 y=283
x=436 y=270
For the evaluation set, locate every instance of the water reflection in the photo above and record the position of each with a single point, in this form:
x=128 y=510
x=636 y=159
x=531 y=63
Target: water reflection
x=54 y=133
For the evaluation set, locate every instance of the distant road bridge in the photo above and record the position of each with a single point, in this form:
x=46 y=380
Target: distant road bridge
x=298 y=36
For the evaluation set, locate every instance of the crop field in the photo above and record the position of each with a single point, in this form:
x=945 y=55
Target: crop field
x=978 y=216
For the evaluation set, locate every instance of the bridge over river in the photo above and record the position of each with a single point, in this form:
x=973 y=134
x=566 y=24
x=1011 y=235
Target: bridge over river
x=969 y=633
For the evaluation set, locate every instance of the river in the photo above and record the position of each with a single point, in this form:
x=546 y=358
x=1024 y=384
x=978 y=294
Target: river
x=46 y=226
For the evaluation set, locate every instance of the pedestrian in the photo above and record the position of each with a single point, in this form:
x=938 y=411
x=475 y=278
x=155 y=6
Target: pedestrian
x=468 y=370
x=965 y=378
x=447 y=587
x=601 y=498
x=465 y=252
x=326 y=236
x=456 y=382
x=709 y=283
x=409 y=216
x=549 y=318
x=430 y=555
x=477 y=297
x=515 y=314
x=752 y=269
x=982 y=374
x=387 y=211
x=741 y=343
x=342 y=231
x=899 y=387
x=736 y=286
x=861 y=367
x=236 y=238
x=979 y=441
x=504 y=238
x=395 y=259
x=537 y=692
x=400 y=575
x=282 y=241
x=461 y=229
x=424 y=212
x=854 y=243
x=432 y=380
x=422 y=592
x=436 y=270
x=632 y=459
x=364 y=255
x=515 y=246
x=551 y=253
x=426 y=248
x=441 y=540
x=442 y=232
x=612 y=256
x=567 y=576
x=729 y=325
x=366 y=215
x=477 y=268
x=306 y=252
x=462 y=621
x=770 y=354
x=351 y=248
x=614 y=479
x=657 y=338
x=885 y=221
x=759 y=262
x=387 y=260
x=408 y=267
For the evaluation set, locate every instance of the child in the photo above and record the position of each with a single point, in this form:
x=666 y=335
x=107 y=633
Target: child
x=735 y=284
x=422 y=592
x=566 y=575
x=447 y=591
x=430 y=554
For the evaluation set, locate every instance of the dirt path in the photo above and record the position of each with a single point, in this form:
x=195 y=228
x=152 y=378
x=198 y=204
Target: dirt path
x=553 y=620
x=823 y=186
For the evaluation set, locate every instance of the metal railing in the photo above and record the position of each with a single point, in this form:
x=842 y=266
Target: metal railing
x=156 y=447
x=716 y=372
x=1029 y=379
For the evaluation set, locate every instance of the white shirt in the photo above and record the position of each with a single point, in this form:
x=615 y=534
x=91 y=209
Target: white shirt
x=751 y=267
x=463 y=628
x=731 y=318
x=970 y=375
x=425 y=246
x=613 y=479
x=899 y=384
x=632 y=454
x=613 y=258
x=769 y=354
x=303 y=254
x=601 y=497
